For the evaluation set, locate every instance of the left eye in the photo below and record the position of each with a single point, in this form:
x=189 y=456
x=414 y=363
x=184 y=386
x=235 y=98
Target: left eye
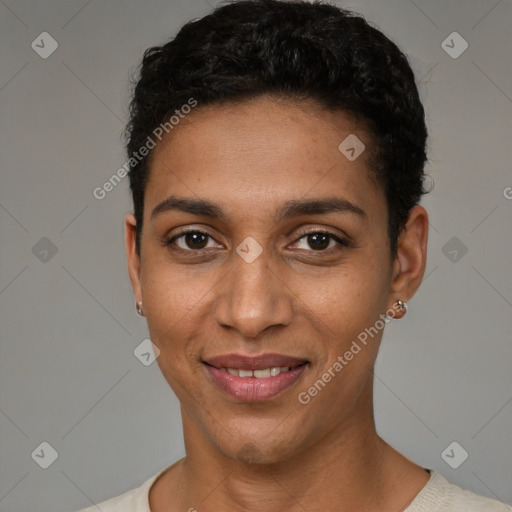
x=319 y=241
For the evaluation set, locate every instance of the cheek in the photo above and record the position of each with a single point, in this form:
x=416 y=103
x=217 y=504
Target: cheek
x=175 y=307
x=344 y=305
x=342 y=310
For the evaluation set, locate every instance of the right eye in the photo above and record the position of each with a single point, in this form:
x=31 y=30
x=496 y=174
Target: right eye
x=191 y=241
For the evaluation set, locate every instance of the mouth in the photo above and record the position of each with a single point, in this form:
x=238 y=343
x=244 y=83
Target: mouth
x=254 y=379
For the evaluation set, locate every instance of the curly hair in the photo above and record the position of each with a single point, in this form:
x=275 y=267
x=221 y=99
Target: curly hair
x=299 y=50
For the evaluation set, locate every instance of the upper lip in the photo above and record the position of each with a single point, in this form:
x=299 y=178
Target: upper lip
x=241 y=362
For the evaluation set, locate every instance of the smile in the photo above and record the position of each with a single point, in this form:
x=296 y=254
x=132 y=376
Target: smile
x=255 y=379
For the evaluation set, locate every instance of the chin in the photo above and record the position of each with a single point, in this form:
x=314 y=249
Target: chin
x=250 y=453
x=260 y=452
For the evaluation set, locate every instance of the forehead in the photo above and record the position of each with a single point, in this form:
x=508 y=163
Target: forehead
x=264 y=150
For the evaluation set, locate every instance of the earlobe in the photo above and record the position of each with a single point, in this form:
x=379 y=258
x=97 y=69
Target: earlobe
x=132 y=256
x=410 y=263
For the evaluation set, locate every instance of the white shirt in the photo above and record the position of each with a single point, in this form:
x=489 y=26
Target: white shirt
x=438 y=495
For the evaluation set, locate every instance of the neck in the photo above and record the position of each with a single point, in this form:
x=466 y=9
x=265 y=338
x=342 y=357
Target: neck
x=351 y=468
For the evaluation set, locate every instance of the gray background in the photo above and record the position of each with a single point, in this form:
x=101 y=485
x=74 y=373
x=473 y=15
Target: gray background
x=68 y=374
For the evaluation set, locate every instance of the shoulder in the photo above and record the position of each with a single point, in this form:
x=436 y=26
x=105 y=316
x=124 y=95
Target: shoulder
x=135 y=500
x=126 y=502
x=439 y=495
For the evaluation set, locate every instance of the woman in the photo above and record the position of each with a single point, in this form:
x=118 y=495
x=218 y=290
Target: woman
x=277 y=153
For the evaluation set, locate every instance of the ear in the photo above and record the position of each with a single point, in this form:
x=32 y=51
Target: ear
x=409 y=265
x=132 y=257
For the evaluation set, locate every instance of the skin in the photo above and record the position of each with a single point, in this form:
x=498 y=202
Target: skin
x=249 y=159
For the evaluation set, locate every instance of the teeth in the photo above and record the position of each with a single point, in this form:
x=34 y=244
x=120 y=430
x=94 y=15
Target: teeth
x=262 y=374
x=259 y=374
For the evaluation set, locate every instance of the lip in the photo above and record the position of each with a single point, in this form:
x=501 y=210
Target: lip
x=253 y=389
x=241 y=362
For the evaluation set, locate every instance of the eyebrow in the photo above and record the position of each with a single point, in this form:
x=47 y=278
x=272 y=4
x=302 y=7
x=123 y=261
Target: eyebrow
x=292 y=208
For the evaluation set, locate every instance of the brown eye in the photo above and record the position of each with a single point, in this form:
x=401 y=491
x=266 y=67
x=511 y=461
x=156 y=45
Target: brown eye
x=196 y=240
x=191 y=241
x=319 y=241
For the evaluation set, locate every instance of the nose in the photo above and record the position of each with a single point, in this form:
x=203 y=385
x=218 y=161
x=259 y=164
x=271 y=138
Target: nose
x=252 y=298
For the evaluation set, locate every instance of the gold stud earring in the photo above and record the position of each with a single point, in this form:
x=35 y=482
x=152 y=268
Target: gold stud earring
x=138 y=307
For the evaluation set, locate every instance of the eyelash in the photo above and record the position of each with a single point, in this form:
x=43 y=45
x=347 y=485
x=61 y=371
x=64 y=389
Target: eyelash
x=342 y=242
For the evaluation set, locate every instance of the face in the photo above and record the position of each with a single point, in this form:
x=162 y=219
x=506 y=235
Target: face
x=264 y=256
